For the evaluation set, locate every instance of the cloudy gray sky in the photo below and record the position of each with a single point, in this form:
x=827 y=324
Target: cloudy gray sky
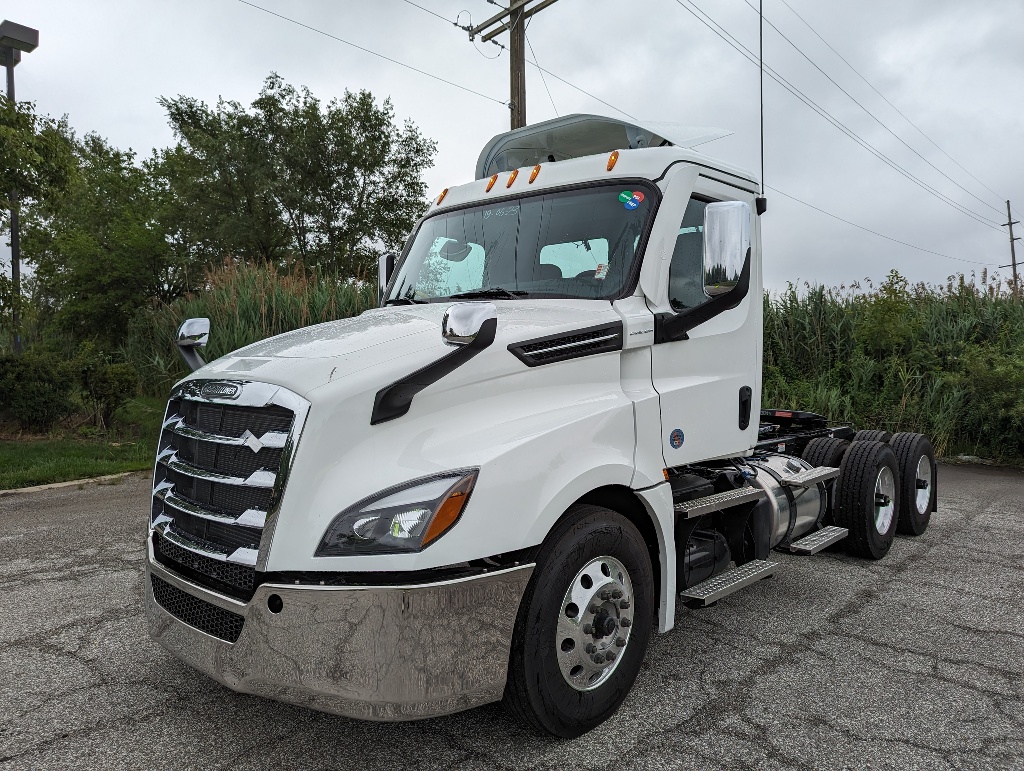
x=956 y=69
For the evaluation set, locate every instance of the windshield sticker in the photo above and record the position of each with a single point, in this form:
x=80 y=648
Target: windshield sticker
x=631 y=198
x=505 y=211
x=601 y=272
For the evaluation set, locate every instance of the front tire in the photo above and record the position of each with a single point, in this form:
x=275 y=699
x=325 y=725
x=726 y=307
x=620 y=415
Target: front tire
x=583 y=624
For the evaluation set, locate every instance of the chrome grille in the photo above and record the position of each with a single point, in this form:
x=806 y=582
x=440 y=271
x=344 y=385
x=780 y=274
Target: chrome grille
x=219 y=477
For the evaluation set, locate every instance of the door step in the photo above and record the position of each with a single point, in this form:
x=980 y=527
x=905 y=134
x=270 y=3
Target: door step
x=818 y=540
x=698 y=507
x=810 y=477
x=724 y=584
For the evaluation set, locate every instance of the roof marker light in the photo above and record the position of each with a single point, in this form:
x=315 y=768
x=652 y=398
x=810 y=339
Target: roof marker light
x=491 y=182
x=612 y=159
x=534 y=173
x=441 y=197
x=512 y=177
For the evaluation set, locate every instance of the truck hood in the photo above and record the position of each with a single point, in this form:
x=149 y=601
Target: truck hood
x=395 y=341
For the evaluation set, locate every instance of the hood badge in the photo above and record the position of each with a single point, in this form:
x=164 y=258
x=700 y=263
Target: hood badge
x=250 y=441
x=219 y=390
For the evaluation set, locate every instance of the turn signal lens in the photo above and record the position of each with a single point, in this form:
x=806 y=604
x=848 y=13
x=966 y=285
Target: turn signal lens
x=491 y=182
x=534 y=173
x=441 y=197
x=450 y=511
x=613 y=159
x=512 y=177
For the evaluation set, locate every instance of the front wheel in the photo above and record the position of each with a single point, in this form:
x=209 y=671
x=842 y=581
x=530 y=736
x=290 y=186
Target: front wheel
x=583 y=624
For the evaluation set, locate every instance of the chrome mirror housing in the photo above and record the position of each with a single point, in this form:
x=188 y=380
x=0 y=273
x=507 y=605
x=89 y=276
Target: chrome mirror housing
x=726 y=242
x=192 y=335
x=462 y=321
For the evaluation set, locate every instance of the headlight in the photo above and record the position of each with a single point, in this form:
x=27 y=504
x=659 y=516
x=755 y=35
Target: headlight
x=400 y=519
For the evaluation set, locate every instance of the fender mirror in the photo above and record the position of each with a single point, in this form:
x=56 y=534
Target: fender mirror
x=385 y=267
x=726 y=241
x=193 y=334
x=463 y=322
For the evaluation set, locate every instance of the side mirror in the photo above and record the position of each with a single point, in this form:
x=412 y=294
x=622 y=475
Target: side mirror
x=726 y=241
x=385 y=267
x=192 y=335
x=463 y=322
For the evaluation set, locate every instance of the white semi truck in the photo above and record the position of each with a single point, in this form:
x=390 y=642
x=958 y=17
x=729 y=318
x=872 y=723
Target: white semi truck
x=498 y=484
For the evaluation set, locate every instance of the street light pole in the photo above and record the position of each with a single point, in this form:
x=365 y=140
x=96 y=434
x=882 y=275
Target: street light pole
x=15 y=38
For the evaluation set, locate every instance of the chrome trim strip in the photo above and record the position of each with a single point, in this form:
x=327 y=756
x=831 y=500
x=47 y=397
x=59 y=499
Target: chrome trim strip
x=386 y=587
x=272 y=439
x=244 y=556
x=261 y=478
x=575 y=344
x=212 y=597
x=249 y=518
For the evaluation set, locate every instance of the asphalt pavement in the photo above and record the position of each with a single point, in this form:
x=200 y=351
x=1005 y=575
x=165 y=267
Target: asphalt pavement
x=916 y=661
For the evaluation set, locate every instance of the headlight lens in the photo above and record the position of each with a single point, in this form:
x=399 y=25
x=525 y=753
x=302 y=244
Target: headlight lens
x=406 y=518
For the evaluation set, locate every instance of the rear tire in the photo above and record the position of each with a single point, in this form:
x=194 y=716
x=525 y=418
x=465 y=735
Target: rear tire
x=918 y=473
x=872 y=435
x=553 y=682
x=825 y=451
x=868 y=498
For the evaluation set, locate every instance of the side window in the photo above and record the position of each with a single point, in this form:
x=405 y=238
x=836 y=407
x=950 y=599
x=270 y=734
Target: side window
x=686 y=272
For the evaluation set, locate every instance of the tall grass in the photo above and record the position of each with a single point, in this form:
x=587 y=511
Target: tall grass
x=245 y=303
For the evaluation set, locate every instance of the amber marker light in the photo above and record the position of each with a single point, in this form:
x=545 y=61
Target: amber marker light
x=612 y=160
x=512 y=177
x=441 y=197
x=490 y=183
x=450 y=510
x=534 y=173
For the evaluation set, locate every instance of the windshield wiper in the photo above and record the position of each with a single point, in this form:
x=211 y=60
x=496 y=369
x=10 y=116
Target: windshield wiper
x=404 y=301
x=494 y=291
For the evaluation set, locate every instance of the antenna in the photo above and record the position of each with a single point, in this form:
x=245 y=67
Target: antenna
x=761 y=202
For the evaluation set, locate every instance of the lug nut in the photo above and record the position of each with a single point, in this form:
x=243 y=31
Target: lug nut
x=625 y=622
x=624 y=604
x=620 y=642
x=609 y=656
x=588 y=629
x=595 y=608
x=617 y=594
x=606 y=595
x=598 y=658
x=590 y=648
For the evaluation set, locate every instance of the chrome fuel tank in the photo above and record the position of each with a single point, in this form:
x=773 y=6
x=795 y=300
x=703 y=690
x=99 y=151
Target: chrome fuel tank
x=794 y=510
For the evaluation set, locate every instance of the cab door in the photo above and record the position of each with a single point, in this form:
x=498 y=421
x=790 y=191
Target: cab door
x=706 y=360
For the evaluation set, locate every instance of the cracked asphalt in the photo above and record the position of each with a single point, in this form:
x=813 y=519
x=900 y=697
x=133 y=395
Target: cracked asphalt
x=916 y=661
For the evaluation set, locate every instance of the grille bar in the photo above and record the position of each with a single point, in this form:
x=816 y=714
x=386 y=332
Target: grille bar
x=262 y=478
x=248 y=518
x=271 y=439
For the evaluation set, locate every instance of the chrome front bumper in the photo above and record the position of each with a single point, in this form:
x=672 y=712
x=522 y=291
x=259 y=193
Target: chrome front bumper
x=376 y=653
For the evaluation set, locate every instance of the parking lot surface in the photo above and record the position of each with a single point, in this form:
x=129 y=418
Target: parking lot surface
x=916 y=661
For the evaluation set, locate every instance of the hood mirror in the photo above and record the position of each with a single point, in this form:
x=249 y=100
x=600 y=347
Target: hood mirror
x=463 y=322
x=192 y=335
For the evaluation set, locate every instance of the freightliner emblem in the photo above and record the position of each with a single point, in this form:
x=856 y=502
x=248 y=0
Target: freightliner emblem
x=219 y=391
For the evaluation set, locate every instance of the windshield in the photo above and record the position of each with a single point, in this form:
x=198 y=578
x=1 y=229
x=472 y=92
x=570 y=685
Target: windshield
x=576 y=243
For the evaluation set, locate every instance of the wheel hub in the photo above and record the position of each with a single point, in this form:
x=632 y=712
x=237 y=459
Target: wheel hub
x=924 y=484
x=594 y=624
x=885 y=490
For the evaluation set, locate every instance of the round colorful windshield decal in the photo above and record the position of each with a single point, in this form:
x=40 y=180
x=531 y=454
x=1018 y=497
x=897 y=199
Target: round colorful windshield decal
x=631 y=198
x=676 y=439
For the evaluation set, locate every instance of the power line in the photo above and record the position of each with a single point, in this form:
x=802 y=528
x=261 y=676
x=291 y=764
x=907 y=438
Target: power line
x=432 y=13
x=875 y=232
x=897 y=109
x=751 y=57
x=542 y=78
x=374 y=53
x=865 y=109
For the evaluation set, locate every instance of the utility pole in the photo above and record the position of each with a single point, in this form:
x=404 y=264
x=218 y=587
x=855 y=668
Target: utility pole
x=15 y=38
x=517 y=13
x=1010 y=222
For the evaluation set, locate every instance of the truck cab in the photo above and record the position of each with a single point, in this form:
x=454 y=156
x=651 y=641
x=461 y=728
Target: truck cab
x=498 y=484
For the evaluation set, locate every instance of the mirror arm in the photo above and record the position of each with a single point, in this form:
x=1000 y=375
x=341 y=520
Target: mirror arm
x=191 y=357
x=669 y=327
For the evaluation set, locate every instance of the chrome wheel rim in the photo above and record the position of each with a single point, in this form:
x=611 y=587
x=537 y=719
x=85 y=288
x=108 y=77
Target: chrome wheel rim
x=885 y=505
x=594 y=623
x=924 y=484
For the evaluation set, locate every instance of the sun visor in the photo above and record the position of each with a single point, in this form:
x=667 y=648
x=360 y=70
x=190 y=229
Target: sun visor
x=574 y=136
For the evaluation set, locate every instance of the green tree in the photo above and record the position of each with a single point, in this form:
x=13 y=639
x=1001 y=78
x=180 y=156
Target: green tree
x=99 y=251
x=292 y=178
